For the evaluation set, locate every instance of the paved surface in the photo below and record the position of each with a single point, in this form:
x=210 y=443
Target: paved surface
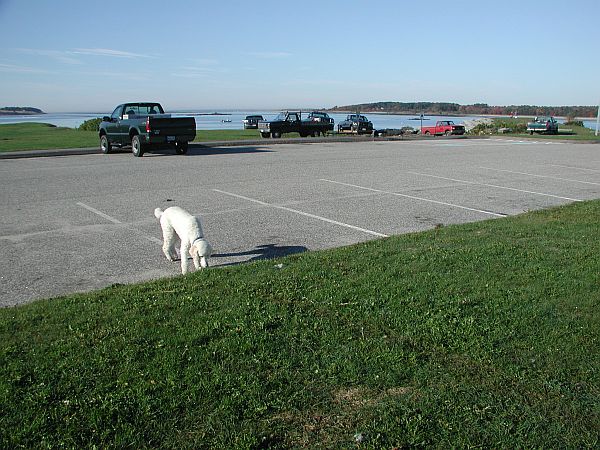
x=81 y=222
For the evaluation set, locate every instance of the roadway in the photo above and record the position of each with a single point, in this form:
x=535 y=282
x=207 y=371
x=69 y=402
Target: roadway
x=81 y=222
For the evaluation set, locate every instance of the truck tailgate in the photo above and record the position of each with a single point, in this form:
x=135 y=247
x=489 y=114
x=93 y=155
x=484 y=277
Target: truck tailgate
x=173 y=126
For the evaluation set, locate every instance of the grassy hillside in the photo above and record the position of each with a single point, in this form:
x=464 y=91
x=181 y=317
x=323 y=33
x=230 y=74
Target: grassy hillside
x=478 y=335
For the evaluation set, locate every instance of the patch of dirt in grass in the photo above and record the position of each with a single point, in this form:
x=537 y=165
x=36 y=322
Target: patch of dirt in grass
x=336 y=426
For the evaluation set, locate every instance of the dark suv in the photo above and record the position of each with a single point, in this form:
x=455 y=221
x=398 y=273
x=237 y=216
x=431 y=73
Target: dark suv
x=251 y=122
x=357 y=124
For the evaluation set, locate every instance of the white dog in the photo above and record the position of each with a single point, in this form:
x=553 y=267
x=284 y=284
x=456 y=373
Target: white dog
x=177 y=222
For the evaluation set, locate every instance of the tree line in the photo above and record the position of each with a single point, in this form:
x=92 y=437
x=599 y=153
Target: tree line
x=20 y=110
x=474 y=109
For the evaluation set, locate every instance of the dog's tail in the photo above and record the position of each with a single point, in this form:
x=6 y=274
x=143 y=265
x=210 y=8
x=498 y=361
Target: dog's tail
x=158 y=212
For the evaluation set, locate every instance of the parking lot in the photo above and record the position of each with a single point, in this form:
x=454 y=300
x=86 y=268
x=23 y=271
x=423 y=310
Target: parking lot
x=81 y=222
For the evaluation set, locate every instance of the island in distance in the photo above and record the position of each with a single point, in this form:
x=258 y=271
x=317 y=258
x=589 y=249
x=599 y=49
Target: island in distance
x=19 y=111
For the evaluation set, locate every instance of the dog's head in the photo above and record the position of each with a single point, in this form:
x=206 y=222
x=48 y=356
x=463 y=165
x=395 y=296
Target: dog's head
x=201 y=248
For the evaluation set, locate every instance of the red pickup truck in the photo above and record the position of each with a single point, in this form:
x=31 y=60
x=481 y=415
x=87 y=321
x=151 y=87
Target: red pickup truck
x=446 y=127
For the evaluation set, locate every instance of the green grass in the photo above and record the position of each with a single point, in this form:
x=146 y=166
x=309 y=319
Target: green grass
x=228 y=135
x=575 y=133
x=41 y=136
x=478 y=335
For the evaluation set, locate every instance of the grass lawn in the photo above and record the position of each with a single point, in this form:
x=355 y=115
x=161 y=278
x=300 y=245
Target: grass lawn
x=229 y=135
x=483 y=334
x=42 y=136
x=577 y=133
x=566 y=132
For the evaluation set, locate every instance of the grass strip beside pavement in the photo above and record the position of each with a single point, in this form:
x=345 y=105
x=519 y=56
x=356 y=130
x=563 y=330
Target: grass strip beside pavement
x=483 y=334
x=43 y=136
x=570 y=132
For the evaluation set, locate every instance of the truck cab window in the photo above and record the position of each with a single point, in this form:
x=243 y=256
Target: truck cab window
x=116 y=113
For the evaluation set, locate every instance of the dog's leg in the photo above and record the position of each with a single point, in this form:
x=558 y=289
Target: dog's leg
x=183 y=252
x=169 y=242
x=198 y=257
x=195 y=257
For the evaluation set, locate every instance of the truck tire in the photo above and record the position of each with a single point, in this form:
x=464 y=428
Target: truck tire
x=181 y=148
x=265 y=135
x=105 y=145
x=136 y=146
x=276 y=134
x=315 y=133
x=447 y=132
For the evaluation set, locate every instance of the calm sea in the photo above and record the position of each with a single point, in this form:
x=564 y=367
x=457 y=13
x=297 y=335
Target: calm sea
x=232 y=120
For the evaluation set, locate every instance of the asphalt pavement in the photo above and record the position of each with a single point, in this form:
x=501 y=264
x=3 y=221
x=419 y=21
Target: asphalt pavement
x=79 y=222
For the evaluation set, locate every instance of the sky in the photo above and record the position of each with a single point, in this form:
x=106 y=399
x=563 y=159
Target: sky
x=83 y=56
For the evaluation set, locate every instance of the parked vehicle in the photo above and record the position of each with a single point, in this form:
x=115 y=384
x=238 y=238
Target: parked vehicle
x=251 y=122
x=443 y=127
x=144 y=126
x=318 y=116
x=387 y=132
x=291 y=122
x=356 y=124
x=547 y=125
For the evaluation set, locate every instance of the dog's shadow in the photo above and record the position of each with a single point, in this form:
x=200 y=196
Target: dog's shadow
x=266 y=251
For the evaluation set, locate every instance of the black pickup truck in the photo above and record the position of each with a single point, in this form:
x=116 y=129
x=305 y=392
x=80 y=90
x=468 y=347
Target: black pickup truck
x=291 y=122
x=144 y=126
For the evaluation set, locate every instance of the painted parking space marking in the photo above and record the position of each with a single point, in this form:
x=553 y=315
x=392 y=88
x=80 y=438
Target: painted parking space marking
x=517 y=141
x=118 y=222
x=576 y=168
x=483 y=142
x=412 y=197
x=99 y=213
x=541 y=176
x=495 y=186
x=302 y=213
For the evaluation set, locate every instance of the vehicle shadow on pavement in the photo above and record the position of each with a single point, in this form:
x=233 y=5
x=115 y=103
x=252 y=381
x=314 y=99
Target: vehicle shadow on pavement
x=199 y=149
x=261 y=252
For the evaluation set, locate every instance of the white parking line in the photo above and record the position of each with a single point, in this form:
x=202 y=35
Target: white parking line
x=541 y=176
x=302 y=213
x=100 y=213
x=416 y=198
x=116 y=221
x=496 y=186
x=575 y=167
x=519 y=142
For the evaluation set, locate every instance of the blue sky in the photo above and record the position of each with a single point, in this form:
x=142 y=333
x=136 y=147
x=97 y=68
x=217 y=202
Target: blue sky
x=76 y=55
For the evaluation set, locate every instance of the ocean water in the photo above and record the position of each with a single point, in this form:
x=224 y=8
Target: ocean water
x=232 y=120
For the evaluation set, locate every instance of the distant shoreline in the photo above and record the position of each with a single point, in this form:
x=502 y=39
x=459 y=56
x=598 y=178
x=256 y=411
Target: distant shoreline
x=439 y=114
x=20 y=111
x=8 y=113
